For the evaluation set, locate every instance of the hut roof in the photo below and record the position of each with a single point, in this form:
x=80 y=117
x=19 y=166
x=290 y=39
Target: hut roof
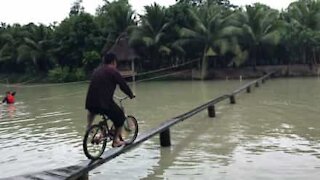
x=122 y=49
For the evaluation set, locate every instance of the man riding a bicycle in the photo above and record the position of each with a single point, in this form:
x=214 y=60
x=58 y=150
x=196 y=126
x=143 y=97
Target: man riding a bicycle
x=100 y=94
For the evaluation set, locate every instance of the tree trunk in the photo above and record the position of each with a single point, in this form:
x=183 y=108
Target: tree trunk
x=204 y=65
x=254 y=56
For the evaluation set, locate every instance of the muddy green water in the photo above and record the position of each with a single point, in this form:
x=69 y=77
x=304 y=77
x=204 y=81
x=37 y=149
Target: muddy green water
x=271 y=133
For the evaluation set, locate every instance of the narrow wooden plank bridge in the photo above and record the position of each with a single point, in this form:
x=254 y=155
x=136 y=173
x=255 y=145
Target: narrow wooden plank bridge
x=81 y=170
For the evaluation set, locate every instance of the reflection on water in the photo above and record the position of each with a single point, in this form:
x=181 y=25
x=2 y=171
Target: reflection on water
x=272 y=133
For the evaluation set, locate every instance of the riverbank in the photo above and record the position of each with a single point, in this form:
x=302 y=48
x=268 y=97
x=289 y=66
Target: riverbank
x=22 y=78
x=222 y=73
x=250 y=73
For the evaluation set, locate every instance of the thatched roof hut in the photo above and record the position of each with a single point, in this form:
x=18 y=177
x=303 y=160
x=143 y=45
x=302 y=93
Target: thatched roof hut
x=126 y=56
x=122 y=49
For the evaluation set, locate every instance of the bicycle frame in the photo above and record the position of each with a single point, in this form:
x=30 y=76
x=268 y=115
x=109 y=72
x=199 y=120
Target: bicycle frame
x=120 y=102
x=105 y=118
x=97 y=143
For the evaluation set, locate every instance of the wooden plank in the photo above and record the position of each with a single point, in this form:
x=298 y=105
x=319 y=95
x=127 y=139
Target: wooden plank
x=242 y=88
x=55 y=174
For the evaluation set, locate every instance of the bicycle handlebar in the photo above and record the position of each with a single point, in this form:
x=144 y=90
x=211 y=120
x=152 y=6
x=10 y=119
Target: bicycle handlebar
x=121 y=98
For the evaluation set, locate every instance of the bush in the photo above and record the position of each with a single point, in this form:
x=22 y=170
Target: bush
x=64 y=74
x=91 y=60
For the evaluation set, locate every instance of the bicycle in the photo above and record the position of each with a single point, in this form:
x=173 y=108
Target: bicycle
x=99 y=135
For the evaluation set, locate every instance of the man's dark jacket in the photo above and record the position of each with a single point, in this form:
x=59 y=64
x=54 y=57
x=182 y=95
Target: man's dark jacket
x=102 y=86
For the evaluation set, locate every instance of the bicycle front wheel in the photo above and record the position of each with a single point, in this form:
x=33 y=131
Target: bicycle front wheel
x=130 y=129
x=94 y=142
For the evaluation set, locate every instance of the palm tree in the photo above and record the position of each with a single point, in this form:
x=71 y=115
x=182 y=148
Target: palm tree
x=114 y=19
x=305 y=13
x=260 y=26
x=210 y=31
x=11 y=38
x=303 y=21
x=37 y=47
x=151 y=34
x=7 y=45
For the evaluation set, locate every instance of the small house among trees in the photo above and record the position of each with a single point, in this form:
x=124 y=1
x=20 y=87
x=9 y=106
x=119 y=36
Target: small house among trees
x=126 y=56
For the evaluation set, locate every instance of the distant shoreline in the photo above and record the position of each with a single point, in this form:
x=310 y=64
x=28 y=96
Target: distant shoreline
x=297 y=70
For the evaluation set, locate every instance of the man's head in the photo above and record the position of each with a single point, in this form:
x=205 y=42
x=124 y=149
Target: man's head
x=110 y=58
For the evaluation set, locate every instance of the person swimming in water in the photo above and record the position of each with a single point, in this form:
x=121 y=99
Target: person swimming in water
x=9 y=98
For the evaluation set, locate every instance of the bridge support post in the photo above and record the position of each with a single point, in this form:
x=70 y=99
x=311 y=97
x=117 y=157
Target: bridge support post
x=165 y=140
x=257 y=84
x=232 y=99
x=263 y=81
x=84 y=177
x=249 y=89
x=211 y=111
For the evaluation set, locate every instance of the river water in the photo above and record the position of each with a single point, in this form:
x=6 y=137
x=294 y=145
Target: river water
x=271 y=133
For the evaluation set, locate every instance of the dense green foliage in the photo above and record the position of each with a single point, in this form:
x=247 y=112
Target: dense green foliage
x=215 y=31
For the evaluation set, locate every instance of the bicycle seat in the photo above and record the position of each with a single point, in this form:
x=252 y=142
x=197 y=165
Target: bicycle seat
x=104 y=115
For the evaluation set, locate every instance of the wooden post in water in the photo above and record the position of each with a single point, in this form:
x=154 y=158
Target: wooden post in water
x=84 y=177
x=262 y=81
x=249 y=89
x=165 y=138
x=211 y=111
x=257 y=84
x=232 y=99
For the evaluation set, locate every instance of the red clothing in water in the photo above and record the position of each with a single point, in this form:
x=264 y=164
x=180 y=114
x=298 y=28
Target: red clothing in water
x=9 y=99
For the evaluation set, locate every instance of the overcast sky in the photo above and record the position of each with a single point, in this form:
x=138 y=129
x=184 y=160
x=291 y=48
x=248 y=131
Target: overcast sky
x=48 y=11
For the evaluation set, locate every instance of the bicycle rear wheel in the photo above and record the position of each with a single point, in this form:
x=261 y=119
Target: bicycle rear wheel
x=94 y=142
x=130 y=130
